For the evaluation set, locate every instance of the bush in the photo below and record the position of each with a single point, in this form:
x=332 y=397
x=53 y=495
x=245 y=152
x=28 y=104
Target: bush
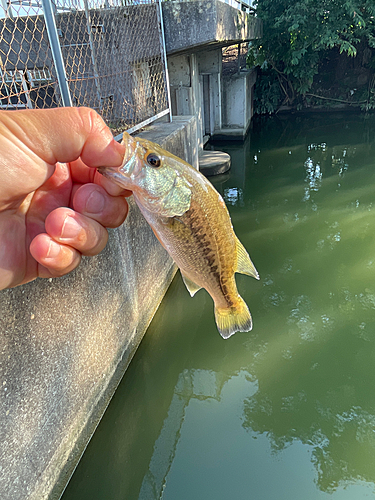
x=297 y=35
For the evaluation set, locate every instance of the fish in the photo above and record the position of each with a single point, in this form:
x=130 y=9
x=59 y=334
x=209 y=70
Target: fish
x=191 y=221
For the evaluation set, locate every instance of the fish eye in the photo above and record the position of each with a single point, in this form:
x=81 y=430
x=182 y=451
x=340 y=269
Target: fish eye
x=153 y=160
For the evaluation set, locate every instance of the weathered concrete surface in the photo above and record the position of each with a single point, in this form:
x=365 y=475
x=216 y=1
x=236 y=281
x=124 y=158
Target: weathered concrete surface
x=185 y=89
x=196 y=31
x=190 y=25
x=237 y=106
x=65 y=344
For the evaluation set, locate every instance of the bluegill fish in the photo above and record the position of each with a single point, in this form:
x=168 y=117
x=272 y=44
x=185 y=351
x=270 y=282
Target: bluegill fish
x=191 y=221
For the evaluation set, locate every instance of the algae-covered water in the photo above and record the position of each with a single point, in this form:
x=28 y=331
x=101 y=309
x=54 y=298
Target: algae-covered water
x=286 y=411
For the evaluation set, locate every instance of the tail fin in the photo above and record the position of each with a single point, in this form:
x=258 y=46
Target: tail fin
x=233 y=319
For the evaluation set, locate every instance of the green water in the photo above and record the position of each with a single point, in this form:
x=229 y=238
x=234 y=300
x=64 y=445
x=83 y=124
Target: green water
x=286 y=411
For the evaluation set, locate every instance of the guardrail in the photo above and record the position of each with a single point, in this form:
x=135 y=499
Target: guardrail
x=244 y=5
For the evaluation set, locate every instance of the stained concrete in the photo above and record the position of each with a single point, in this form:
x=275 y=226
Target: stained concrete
x=66 y=342
x=202 y=24
x=237 y=105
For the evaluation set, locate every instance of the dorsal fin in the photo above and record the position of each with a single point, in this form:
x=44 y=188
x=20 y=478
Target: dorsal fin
x=244 y=264
x=192 y=287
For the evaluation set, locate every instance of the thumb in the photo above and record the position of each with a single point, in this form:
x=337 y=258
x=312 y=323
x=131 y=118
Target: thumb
x=32 y=141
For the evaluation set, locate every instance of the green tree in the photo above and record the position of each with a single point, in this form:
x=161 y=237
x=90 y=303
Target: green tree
x=298 y=33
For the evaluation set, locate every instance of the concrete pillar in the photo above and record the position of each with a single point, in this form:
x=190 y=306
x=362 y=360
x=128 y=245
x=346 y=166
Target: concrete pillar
x=197 y=97
x=237 y=105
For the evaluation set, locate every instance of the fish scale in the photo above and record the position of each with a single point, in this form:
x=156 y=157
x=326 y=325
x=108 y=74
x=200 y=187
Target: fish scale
x=196 y=265
x=218 y=258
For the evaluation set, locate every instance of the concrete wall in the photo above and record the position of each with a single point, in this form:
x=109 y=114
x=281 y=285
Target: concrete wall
x=195 y=33
x=237 y=104
x=189 y=25
x=223 y=105
x=186 y=91
x=66 y=342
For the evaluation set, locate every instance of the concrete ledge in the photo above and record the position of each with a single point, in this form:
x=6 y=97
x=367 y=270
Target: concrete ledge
x=65 y=344
x=199 y=24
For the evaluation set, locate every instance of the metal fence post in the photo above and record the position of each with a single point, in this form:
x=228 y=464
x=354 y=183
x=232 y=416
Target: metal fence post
x=56 y=52
x=164 y=54
x=7 y=8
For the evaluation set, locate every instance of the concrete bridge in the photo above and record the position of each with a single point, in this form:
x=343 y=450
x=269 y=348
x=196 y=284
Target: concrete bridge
x=195 y=35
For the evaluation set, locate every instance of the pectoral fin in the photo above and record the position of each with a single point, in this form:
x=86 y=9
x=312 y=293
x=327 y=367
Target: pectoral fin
x=192 y=287
x=244 y=264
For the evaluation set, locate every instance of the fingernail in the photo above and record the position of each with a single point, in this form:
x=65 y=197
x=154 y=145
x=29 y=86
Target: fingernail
x=70 y=228
x=95 y=203
x=53 y=250
x=119 y=149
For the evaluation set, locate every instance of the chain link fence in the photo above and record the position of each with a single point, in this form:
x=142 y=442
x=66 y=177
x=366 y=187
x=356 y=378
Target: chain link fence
x=105 y=54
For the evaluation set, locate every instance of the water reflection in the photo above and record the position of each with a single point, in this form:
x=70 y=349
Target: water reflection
x=201 y=385
x=233 y=196
x=288 y=410
x=313 y=178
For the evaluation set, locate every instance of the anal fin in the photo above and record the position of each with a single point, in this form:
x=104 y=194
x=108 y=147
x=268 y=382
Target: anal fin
x=192 y=287
x=244 y=264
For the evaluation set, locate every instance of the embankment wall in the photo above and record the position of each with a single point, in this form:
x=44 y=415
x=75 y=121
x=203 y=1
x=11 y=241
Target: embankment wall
x=65 y=343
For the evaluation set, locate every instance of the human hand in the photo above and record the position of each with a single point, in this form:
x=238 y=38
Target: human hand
x=54 y=206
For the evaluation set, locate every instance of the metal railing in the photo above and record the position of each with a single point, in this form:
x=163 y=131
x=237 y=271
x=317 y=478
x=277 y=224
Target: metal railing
x=108 y=55
x=244 y=5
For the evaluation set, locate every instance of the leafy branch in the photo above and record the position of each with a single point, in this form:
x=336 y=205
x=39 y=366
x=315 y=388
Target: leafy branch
x=297 y=34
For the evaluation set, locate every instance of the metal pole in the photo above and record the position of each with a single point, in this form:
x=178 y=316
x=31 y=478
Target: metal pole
x=56 y=52
x=7 y=6
x=164 y=54
x=26 y=89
